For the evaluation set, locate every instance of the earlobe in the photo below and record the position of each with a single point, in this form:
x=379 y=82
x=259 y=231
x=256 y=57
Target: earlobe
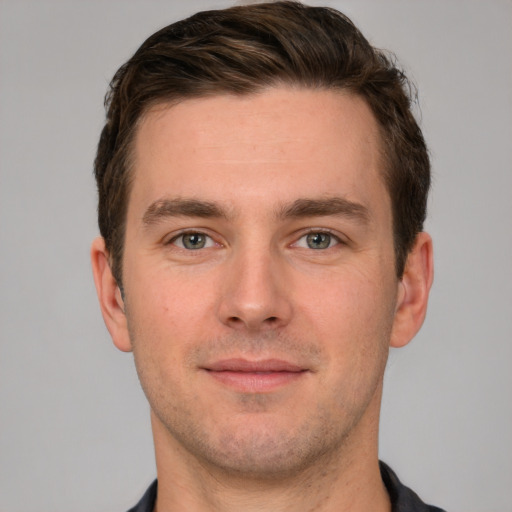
x=413 y=292
x=109 y=296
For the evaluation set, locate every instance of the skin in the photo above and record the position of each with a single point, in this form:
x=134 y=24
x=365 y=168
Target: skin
x=253 y=176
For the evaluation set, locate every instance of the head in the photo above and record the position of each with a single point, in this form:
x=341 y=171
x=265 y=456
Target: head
x=245 y=49
x=262 y=187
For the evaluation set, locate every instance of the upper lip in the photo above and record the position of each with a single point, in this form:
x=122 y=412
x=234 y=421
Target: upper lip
x=244 y=365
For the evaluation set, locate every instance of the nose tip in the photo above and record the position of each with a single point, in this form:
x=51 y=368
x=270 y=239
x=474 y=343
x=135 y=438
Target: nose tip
x=255 y=297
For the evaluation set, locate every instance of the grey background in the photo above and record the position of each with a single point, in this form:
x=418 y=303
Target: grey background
x=74 y=425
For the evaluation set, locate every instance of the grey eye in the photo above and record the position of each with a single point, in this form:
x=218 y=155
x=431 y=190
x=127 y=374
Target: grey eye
x=193 y=241
x=318 y=240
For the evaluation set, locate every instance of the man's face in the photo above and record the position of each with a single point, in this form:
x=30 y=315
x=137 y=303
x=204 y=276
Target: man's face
x=260 y=290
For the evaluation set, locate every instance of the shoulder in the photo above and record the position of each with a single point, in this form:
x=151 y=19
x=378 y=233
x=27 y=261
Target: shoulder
x=147 y=502
x=402 y=498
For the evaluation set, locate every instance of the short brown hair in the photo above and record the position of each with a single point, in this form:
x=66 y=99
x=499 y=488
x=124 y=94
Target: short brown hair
x=244 y=49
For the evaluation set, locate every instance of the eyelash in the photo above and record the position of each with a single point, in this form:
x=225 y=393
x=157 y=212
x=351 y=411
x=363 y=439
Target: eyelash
x=321 y=231
x=210 y=242
x=192 y=232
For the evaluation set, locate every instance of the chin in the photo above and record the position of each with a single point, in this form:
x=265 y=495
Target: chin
x=262 y=449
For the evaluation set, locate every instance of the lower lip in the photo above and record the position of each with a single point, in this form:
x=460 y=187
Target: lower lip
x=255 y=382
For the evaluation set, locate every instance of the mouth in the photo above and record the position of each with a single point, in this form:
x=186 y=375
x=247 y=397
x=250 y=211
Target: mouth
x=255 y=376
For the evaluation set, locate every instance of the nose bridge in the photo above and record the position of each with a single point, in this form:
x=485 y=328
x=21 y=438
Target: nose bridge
x=254 y=294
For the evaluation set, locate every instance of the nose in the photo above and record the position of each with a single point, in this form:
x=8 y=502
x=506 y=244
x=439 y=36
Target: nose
x=255 y=294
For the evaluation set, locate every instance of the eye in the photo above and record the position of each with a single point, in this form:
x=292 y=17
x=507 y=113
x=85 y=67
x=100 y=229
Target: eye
x=193 y=241
x=317 y=240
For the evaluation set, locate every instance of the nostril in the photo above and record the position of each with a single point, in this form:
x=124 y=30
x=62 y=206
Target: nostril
x=237 y=322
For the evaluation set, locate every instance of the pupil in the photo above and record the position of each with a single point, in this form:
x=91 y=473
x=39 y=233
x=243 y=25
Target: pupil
x=194 y=241
x=318 y=240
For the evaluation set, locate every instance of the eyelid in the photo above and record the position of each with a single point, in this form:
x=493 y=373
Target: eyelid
x=340 y=240
x=170 y=239
x=187 y=231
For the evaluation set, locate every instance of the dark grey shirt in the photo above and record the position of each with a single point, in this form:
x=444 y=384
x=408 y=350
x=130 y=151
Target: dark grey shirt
x=402 y=498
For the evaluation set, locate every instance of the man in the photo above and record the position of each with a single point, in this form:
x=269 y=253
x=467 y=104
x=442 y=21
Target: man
x=262 y=191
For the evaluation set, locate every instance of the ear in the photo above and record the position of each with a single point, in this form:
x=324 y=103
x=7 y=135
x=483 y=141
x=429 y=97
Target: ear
x=109 y=295
x=413 y=291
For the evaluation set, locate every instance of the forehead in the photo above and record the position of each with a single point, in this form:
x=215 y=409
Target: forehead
x=321 y=141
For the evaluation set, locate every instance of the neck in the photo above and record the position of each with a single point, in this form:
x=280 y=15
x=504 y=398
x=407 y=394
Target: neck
x=347 y=479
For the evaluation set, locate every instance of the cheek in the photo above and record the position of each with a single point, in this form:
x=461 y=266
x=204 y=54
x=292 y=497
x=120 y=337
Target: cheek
x=161 y=333
x=167 y=299
x=355 y=330
x=353 y=317
x=168 y=317
x=348 y=300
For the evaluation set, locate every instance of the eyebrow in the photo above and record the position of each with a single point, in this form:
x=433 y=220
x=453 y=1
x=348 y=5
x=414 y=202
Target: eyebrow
x=331 y=206
x=300 y=208
x=165 y=208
